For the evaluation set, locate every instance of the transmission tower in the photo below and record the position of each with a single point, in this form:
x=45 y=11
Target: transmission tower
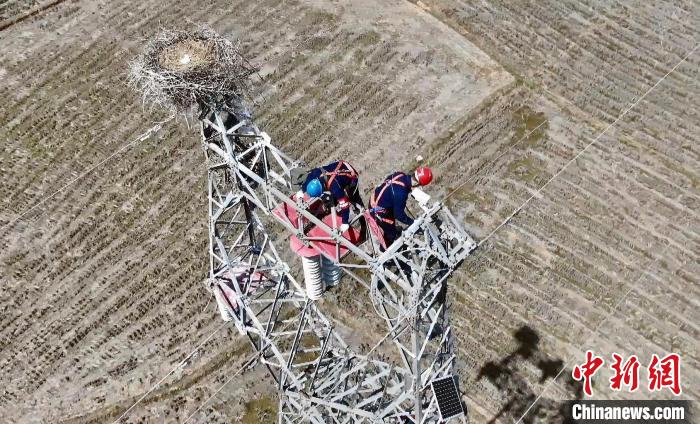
x=320 y=379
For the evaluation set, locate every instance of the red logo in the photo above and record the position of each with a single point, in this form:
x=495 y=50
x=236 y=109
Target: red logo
x=627 y=374
x=587 y=370
x=663 y=373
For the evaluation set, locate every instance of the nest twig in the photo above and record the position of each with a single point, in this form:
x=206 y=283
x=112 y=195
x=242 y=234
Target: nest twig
x=179 y=69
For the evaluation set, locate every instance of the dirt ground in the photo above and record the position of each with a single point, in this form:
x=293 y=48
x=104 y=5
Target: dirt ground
x=102 y=289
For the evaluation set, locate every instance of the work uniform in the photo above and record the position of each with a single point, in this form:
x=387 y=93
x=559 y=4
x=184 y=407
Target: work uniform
x=388 y=204
x=341 y=180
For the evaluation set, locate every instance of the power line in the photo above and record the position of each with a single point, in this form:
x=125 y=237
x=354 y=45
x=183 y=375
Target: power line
x=595 y=330
x=245 y=365
x=252 y=357
x=491 y=162
x=619 y=302
x=147 y=134
x=508 y=150
x=154 y=129
x=144 y=136
x=178 y=366
x=396 y=326
x=595 y=140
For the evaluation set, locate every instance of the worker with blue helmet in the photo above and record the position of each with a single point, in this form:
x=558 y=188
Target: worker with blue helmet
x=340 y=180
x=314 y=188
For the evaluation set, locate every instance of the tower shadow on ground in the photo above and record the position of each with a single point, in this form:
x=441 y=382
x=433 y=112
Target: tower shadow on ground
x=508 y=376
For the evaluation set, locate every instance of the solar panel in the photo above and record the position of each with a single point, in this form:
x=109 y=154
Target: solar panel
x=447 y=397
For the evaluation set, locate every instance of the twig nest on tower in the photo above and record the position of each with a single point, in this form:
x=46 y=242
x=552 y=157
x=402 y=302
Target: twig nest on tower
x=179 y=69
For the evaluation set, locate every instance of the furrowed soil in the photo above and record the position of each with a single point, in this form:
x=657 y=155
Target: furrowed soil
x=102 y=283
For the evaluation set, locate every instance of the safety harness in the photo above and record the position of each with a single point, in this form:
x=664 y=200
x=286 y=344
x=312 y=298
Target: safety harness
x=374 y=200
x=349 y=171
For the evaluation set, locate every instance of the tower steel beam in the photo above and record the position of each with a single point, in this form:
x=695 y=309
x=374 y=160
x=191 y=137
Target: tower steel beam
x=319 y=378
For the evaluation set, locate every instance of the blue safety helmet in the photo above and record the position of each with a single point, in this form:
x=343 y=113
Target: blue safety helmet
x=314 y=188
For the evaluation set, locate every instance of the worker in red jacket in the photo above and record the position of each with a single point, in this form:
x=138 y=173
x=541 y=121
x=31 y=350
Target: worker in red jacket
x=388 y=201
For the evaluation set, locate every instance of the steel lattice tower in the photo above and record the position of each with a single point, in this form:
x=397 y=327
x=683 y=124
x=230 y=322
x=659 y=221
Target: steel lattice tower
x=320 y=379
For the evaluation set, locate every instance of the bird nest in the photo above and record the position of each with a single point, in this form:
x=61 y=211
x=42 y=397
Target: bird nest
x=179 y=69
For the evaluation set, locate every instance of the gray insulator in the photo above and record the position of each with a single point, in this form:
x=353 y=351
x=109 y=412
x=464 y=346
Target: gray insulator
x=331 y=272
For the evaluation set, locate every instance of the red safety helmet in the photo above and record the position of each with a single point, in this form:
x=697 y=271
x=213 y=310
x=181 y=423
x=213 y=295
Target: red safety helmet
x=424 y=175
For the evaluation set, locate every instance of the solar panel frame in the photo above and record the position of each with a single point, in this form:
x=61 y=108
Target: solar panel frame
x=447 y=397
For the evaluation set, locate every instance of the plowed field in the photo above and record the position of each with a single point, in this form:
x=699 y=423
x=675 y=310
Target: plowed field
x=102 y=292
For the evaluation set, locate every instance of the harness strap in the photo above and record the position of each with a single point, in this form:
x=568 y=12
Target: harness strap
x=349 y=172
x=374 y=200
x=384 y=219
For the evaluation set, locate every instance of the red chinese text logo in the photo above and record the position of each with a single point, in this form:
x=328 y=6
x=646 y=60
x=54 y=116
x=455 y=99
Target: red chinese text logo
x=587 y=370
x=627 y=373
x=663 y=373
